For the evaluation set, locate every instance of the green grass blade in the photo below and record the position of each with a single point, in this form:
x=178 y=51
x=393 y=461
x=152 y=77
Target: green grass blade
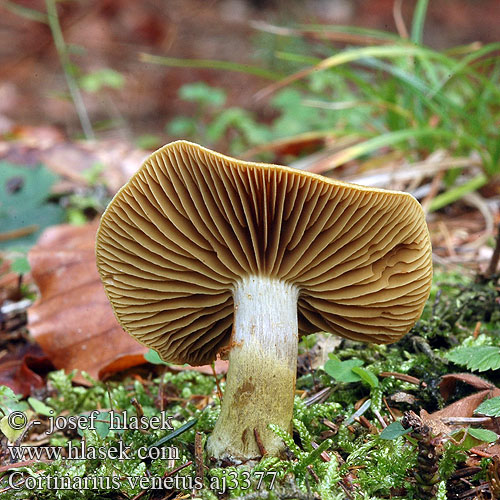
x=26 y=12
x=211 y=64
x=455 y=193
x=388 y=139
x=417 y=28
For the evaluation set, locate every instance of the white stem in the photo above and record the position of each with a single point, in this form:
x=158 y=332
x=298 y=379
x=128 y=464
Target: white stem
x=262 y=365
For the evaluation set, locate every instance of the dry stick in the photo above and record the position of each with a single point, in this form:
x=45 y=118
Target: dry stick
x=17 y=233
x=198 y=455
x=167 y=474
x=260 y=444
x=435 y=185
x=26 y=463
x=493 y=265
x=389 y=409
x=404 y=377
x=219 y=391
x=138 y=407
x=313 y=474
x=324 y=455
x=477 y=329
x=398 y=19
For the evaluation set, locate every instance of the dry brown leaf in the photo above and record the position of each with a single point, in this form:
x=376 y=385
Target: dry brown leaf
x=73 y=321
x=24 y=368
x=464 y=408
x=448 y=383
x=70 y=160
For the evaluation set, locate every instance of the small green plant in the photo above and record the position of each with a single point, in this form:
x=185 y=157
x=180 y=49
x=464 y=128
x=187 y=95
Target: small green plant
x=385 y=99
x=211 y=122
x=490 y=407
x=480 y=358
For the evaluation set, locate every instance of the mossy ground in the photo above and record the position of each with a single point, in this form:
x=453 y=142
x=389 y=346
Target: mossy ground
x=330 y=455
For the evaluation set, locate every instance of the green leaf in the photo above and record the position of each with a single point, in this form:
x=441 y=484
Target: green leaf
x=479 y=358
x=12 y=433
x=181 y=126
x=106 y=77
x=342 y=370
x=23 y=203
x=490 y=407
x=202 y=94
x=366 y=375
x=148 y=141
x=40 y=407
x=393 y=431
x=483 y=435
x=154 y=358
x=20 y=265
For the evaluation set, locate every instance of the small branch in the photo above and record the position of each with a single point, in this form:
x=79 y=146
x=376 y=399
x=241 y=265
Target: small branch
x=198 y=455
x=493 y=265
x=260 y=444
x=18 y=233
x=219 y=390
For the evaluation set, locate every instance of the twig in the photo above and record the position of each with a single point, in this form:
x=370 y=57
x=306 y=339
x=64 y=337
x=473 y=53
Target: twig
x=398 y=19
x=324 y=455
x=26 y=463
x=319 y=397
x=403 y=377
x=219 y=390
x=137 y=406
x=379 y=418
x=260 y=444
x=18 y=233
x=198 y=455
x=493 y=265
x=389 y=409
x=177 y=469
x=313 y=474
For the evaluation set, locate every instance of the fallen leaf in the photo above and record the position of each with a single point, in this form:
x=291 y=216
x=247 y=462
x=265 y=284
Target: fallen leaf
x=449 y=382
x=71 y=160
x=23 y=369
x=73 y=321
x=464 y=408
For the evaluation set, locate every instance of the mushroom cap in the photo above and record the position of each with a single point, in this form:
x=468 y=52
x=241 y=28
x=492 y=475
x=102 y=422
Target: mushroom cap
x=191 y=223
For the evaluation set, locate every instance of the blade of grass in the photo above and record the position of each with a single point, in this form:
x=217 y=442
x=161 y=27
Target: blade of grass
x=368 y=37
x=26 y=12
x=352 y=55
x=380 y=141
x=210 y=64
x=456 y=193
x=62 y=51
x=417 y=28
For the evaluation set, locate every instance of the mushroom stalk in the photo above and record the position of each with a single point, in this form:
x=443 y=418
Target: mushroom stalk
x=260 y=384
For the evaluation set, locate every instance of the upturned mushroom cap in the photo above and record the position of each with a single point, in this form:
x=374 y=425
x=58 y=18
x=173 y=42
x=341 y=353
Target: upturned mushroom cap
x=191 y=223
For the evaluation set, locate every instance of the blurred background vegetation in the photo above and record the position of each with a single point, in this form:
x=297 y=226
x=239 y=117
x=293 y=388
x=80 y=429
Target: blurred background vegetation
x=389 y=93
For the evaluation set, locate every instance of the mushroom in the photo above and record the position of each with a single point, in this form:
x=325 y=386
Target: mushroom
x=200 y=254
